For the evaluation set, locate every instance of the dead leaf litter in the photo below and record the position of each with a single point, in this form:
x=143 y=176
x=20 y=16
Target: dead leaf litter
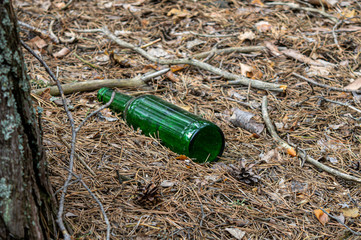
x=256 y=190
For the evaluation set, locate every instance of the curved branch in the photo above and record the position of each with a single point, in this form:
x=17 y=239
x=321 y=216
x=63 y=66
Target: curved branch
x=205 y=66
x=271 y=129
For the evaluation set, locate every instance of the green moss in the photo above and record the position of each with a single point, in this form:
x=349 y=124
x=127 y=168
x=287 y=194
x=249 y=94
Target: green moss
x=6 y=20
x=20 y=146
x=5 y=200
x=9 y=125
x=5 y=189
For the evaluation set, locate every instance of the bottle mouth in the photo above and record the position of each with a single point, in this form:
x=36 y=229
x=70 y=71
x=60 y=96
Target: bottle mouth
x=101 y=93
x=207 y=144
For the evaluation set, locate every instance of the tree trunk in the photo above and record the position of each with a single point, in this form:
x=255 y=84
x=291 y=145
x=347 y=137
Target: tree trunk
x=26 y=201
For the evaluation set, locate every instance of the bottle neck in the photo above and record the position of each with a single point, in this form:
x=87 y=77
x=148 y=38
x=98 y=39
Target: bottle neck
x=120 y=100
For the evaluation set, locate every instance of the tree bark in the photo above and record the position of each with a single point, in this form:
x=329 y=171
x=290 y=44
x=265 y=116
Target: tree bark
x=26 y=201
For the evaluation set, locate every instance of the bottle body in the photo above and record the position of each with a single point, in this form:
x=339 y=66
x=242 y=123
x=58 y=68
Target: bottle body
x=179 y=130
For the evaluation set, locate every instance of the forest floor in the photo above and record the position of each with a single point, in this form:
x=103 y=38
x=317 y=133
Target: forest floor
x=257 y=190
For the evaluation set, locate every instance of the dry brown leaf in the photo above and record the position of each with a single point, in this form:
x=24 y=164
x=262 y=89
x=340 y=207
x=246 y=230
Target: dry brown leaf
x=272 y=156
x=122 y=60
x=321 y=216
x=257 y=2
x=151 y=66
x=250 y=72
x=263 y=26
x=245 y=69
x=178 y=13
x=59 y=5
x=351 y=212
x=355 y=85
x=255 y=74
x=347 y=13
x=176 y=68
x=300 y=57
x=272 y=48
x=171 y=76
x=62 y=53
x=39 y=42
x=247 y=35
x=318 y=71
x=236 y=233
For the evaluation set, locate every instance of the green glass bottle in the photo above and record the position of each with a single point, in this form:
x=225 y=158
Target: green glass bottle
x=179 y=130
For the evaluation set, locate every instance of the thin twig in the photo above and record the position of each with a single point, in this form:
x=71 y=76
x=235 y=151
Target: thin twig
x=135 y=16
x=67 y=5
x=87 y=30
x=214 y=36
x=308 y=9
x=324 y=85
x=51 y=33
x=231 y=50
x=328 y=169
x=106 y=220
x=271 y=129
x=205 y=66
x=74 y=131
x=151 y=43
x=77 y=156
x=334 y=34
x=61 y=189
x=86 y=62
x=70 y=40
x=340 y=222
x=42 y=32
x=342 y=104
x=95 y=112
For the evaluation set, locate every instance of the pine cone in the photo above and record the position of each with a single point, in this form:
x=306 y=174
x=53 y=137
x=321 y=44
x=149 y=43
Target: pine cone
x=148 y=196
x=243 y=174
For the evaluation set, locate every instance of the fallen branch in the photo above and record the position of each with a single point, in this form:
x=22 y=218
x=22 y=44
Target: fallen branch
x=87 y=86
x=324 y=85
x=302 y=154
x=205 y=66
